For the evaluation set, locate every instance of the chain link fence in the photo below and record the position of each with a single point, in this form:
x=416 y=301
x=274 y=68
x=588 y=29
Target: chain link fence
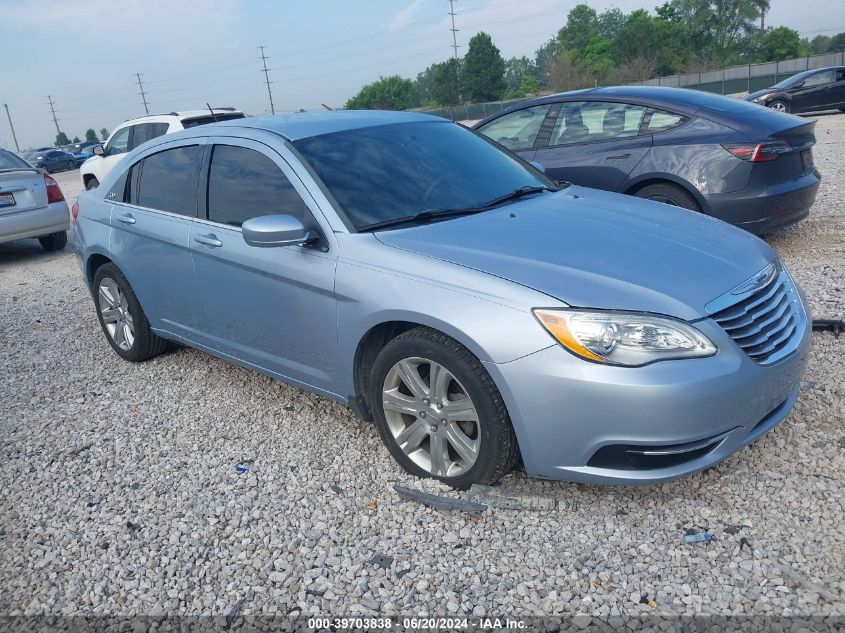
x=732 y=80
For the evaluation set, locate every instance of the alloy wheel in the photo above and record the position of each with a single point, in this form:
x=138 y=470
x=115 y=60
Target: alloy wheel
x=117 y=318
x=431 y=417
x=778 y=106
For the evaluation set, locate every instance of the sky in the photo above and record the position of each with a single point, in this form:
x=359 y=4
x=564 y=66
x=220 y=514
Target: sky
x=85 y=53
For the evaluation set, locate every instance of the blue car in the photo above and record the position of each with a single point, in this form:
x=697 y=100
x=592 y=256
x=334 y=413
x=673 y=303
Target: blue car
x=476 y=311
x=83 y=151
x=52 y=159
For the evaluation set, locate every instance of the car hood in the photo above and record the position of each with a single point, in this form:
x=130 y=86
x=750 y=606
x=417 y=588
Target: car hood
x=596 y=249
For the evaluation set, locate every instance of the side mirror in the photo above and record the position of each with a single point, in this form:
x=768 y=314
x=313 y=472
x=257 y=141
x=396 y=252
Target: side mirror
x=98 y=150
x=267 y=231
x=538 y=167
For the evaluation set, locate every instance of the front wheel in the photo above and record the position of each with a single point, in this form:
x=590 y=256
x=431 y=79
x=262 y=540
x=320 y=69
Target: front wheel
x=121 y=317
x=668 y=193
x=779 y=106
x=54 y=241
x=71 y=165
x=439 y=412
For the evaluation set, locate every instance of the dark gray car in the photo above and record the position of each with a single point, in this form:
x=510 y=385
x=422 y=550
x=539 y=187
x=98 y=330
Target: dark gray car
x=730 y=159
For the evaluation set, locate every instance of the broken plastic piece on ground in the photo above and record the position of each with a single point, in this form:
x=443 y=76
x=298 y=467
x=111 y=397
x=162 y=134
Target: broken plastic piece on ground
x=437 y=501
x=701 y=537
x=837 y=326
x=382 y=560
x=241 y=469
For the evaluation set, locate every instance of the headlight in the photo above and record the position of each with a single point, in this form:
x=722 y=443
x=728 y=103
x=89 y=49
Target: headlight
x=761 y=98
x=618 y=338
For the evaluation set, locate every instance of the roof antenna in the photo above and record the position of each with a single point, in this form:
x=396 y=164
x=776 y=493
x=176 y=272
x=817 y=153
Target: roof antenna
x=213 y=116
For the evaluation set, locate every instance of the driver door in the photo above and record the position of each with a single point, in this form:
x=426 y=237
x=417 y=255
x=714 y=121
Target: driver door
x=270 y=308
x=814 y=93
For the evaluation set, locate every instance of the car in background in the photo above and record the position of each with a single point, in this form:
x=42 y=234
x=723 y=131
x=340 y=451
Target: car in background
x=83 y=151
x=134 y=132
x=450 y=292
x=31 y=204
x=809 y=91
x=52 y=159
x=724 y=157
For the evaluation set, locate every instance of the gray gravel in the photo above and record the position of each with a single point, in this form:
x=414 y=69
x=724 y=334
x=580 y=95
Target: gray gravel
x=119 y=491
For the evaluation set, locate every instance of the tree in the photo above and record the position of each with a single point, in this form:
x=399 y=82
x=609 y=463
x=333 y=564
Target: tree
x=544 y=60
x=388 y=93
x=837 y=42
x=90 y=135
x=104 y=134
x=76 y=140
x=644 y=37
x=424 y=87
x=62 y=139
x=484 y=70
x=445 y=86
x=778 y=44
x=719 y=28
x=517 y=69
x=582 y=25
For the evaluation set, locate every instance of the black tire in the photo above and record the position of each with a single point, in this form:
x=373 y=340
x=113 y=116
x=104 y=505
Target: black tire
x=668 y=193
x=71 y=165
x=146 y=344
x=54 y=241
x=498 y=452
x=92 y=183
x=777 y=104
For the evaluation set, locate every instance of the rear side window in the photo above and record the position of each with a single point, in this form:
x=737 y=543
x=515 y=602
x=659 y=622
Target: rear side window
x=244 y=184
x=144 y=132
x=168 y=180
x=661 y=120
x=517 y=130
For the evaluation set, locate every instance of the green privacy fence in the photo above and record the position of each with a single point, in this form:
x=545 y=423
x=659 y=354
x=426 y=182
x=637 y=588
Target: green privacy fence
x=726 y=81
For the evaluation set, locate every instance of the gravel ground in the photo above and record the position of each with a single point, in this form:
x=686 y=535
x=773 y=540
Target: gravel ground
x=120 y=496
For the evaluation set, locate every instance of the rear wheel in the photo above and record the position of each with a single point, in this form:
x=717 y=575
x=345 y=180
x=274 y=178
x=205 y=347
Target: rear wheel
x=438 y=411
x=92 y=183
x=668 y=193
x=779 y=106
x=54 y=241
x=121 y=317
x=71 y=165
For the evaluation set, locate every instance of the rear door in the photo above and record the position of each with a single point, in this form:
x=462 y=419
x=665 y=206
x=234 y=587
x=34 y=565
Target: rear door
x=595 y=143
x=151 y=226
x=273 y=308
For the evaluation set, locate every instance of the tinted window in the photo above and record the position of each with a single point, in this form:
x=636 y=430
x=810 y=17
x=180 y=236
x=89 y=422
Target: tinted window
x=517 y=130
x=582 y=121
x=661 y=120
x=394 y=171
x=840 y=74
x=141 y=133
x=168 y=180
x=244 y=184
x=119 y=143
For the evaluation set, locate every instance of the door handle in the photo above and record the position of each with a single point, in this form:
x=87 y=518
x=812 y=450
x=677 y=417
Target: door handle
x=619 y=157
x=208 y=240
x=126 y=218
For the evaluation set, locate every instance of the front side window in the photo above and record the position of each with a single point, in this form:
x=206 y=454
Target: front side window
x=387 y=172
x=168 y=180
x=119 y=143
x=584 y=121
x=517 y=130
x=819 y=79
x=661 y=120
x=244 y=184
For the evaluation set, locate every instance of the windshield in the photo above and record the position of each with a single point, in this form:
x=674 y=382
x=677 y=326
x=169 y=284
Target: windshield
x=387 y=172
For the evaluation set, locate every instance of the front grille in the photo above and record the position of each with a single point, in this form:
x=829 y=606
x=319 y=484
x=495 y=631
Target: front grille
x=767 y=320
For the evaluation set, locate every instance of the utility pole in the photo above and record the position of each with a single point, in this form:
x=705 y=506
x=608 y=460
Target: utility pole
x=142 y=93
x=264 y=59
x=53 y=110
x=9 y=116
x=455 y=47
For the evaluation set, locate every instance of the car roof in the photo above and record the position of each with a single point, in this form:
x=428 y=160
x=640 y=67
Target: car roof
x=302 y=125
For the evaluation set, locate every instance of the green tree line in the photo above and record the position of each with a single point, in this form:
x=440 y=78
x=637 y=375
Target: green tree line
x=594 y=48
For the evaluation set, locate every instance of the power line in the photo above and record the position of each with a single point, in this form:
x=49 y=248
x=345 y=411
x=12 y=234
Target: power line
x=143 y=94
x=53 y=110
x=9 y=116
x=264 y=59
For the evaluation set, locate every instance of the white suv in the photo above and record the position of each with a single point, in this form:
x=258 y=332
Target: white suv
x=130 y=134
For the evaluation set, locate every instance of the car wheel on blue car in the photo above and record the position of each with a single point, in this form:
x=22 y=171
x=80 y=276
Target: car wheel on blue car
x=121 y=317
x=438 y=411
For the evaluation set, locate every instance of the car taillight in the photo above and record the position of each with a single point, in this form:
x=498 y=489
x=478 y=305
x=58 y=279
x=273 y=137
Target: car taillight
x=54 y=192
x=74 y=211
x=758 y=152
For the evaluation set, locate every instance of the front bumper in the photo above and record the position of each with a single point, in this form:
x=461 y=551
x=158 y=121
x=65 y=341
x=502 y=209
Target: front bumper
x=35 y=223
x=762 y=211
x=566 y=410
